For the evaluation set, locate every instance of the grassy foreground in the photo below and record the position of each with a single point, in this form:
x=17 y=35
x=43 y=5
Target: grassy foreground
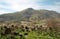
x=20 y=33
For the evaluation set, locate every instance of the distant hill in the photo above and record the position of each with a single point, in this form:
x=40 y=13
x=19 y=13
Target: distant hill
x=29 y=14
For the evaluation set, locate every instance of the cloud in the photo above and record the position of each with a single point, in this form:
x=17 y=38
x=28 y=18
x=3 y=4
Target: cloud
x=15 y=5
x=7 y=6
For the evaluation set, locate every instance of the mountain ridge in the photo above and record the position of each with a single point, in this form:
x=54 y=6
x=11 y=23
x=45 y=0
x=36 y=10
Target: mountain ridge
x=30 y=14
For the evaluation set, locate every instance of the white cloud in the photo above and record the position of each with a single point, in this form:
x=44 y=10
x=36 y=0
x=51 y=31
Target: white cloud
x=18 y=5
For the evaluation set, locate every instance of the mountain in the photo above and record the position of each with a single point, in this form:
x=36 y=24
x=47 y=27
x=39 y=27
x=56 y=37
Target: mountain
x=29 y=14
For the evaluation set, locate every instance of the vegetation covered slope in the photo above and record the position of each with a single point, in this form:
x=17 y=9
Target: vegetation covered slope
x=41 y=29
x=29 y=14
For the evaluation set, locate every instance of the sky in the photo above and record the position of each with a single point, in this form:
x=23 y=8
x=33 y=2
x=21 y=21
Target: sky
x=9 y=6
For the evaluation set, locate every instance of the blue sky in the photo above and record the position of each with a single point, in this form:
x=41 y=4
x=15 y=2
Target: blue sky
x=9 y=6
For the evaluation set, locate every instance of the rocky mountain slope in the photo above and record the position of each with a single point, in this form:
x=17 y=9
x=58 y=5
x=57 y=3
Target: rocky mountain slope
x=29 y=14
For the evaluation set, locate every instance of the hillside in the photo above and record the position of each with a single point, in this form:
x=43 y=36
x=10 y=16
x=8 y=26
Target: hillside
x=30 y=24
x=29 y=14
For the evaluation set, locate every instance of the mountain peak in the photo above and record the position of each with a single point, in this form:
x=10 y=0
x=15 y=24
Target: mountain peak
x=29 y=9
